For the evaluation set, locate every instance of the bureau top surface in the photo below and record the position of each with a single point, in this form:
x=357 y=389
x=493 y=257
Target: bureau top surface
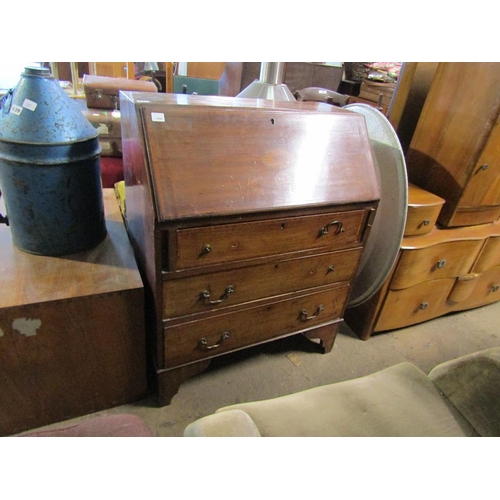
x=108 y=267
x=223 y=156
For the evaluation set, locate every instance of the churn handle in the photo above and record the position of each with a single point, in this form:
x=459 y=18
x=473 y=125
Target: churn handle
x=3 y=218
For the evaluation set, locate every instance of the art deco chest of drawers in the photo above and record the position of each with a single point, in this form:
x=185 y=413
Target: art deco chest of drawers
x=248 y=219
x=438 y=271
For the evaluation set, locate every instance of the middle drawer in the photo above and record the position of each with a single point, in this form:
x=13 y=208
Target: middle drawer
x=206 y=292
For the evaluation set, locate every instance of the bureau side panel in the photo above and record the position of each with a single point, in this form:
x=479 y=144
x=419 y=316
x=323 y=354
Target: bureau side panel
x=140 y=217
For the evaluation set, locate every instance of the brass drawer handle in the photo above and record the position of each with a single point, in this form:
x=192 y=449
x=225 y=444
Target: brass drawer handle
x=441 y=263
x=495 y=288
x=203 y=344
x=205 y=296
x=304 y=317
x=340 y=228
x=206 y=249
x=423 y=305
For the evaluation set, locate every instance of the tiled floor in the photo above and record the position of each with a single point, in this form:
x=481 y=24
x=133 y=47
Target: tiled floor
x=291 y=365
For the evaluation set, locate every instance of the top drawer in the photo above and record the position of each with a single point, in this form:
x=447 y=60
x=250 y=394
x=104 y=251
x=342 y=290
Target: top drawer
x=202 y=246
x=423 y=211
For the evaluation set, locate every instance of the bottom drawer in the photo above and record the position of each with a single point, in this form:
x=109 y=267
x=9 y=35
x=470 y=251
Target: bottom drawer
x=486 y=291
x=415 y=304
x=196 y=340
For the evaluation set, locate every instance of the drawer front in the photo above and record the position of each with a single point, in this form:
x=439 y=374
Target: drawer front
x=489 y=257
x=209 y=337
x=415 y=304
x=223 y=243
x=423 y=211
x=446 y=260
x=486 y=291
x=421 y=220
x=208 y=292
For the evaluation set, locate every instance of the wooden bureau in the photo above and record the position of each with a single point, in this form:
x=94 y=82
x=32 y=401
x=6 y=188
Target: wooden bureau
x=248 y=218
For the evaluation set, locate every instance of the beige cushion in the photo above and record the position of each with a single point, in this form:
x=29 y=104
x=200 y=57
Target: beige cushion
x=472 y=384
x=232 y=423
x=397 y=401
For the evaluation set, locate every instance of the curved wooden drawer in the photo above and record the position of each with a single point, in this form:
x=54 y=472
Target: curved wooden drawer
x=205 y=338
x=423 y=211
x=486 y=291
x=445 y=260
x=216 y=244
x=490 y=254
x=213 y=291
x=415 y=304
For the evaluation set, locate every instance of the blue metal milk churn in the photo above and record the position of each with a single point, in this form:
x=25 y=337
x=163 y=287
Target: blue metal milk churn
x=49 y=168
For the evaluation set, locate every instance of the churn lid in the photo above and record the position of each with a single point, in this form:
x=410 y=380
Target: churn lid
x=38 y=111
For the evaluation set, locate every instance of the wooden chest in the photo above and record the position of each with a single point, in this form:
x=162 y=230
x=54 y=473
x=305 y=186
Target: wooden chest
x=248 y=218
x=71 y=330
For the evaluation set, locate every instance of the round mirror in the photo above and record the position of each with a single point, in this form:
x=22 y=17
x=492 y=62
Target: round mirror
x=384 y=241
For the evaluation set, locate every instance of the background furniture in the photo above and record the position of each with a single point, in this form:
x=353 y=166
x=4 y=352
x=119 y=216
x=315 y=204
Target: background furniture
x=209 y=78
x=298 y=75
x=411 y=92
x=71 y=330
x=458 y=398
x=248 y=219
x=438 y=271
x=452 y=262
x=455 y=150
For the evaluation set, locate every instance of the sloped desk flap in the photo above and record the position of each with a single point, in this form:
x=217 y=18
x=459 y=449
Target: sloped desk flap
x=225 y=156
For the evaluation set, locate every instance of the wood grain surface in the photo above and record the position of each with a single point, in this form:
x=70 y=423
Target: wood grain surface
x=31 y=279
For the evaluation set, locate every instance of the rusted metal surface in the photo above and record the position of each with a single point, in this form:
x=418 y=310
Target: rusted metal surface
x=49 y=168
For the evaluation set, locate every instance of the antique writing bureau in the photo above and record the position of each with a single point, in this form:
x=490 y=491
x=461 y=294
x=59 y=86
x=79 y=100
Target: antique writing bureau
x=248 y=219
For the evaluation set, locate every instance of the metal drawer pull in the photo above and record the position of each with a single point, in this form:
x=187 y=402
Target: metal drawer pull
x=203 y=345
x=206 y=249
x=495 y=288
x=423 y=305
x=426 y=222
x=305 y=317
x=441 y=264
x=205 y=296
x=340 y=228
